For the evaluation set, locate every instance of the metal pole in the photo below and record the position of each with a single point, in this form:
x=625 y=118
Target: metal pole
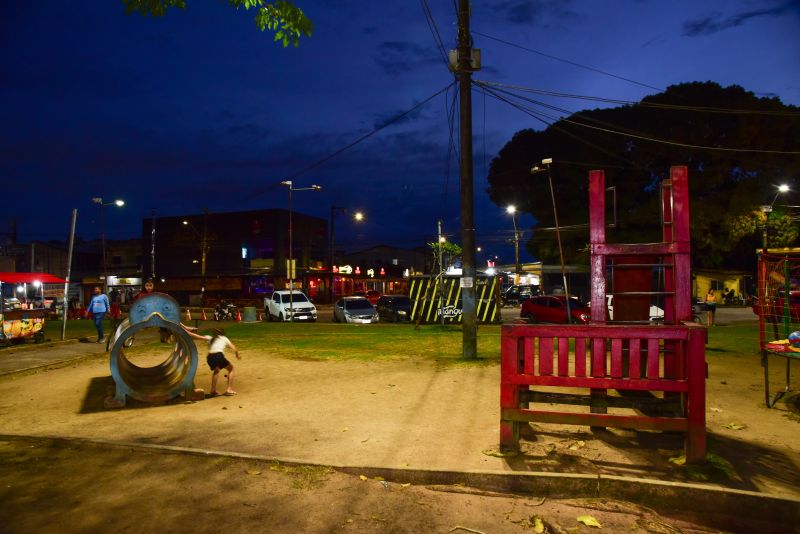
x=69 y=272
x=290 y=267
x=516 y=247
x=203 y=255
x=440 y=276
x=103 y=243
x=558 y=238
x=153 y=243
x=331 y=253
x=469 y=333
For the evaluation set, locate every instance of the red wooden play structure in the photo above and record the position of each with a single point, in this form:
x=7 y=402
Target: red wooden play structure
x=631 y=374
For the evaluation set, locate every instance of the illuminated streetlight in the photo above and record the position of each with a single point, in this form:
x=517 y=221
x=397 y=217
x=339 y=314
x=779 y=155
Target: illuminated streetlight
x=358 y=217
x=512 y=210
x=290 y=271
x=119 y=204
x=782 y=188
x=548 y=162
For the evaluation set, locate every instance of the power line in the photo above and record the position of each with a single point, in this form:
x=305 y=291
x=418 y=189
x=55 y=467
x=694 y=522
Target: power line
x=647 y=138
x=573 y=63
x=369 y=134
x=702 y=109
x=434 y=31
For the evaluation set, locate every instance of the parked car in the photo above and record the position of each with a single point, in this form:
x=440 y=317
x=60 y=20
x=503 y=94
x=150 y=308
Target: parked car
x=394 y=308
x=553 y=309
x=279 y=307
x=515 y=295
x=354 y=310
x=372 y=296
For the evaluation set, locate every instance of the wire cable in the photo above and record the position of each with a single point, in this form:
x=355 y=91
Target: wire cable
x=654 y=105
x=573 y=63
x=654 y=139
x=370 y=134
x=437 y=38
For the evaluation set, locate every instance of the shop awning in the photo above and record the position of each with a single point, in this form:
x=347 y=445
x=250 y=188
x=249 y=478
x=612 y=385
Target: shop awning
x=29 y=278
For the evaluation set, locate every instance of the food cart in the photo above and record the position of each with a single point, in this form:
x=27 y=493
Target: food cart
x=23 y=306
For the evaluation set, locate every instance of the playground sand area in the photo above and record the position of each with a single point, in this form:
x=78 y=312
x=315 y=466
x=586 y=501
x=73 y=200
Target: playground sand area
x=396 y=414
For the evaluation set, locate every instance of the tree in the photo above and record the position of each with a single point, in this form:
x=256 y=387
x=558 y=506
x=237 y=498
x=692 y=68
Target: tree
x=450 y=253
x=726 y=187
x=283 y=17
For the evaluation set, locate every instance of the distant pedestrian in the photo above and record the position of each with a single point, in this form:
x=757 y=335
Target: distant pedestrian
x=114 y=297
x=711 y=306
x=99 y=306
x=217 y=343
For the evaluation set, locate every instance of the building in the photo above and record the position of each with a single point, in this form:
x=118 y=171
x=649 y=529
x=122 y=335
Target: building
x=234 y=255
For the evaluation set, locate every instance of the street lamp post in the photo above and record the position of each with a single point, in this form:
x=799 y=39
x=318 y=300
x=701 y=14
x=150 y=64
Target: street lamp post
x=548 y=162
x=783 y=188
x=358 y=217
x=203 y=255
x=512 y=210
x=99 y=201
x=290 y=270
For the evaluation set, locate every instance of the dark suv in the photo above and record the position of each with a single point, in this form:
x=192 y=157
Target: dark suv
x=394 y=308
x=516 y=295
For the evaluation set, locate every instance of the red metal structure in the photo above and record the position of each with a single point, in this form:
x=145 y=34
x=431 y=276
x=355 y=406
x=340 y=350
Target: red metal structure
x=656 y=372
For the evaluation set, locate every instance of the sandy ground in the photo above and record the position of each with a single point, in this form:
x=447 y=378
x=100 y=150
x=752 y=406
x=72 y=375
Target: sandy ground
x=405 y=413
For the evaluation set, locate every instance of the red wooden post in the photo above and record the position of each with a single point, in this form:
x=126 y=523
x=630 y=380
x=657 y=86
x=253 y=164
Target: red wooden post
x=696 y=398
x=509 y=391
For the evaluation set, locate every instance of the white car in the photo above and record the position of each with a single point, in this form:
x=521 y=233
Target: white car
x=656 y=313
x=289 y=306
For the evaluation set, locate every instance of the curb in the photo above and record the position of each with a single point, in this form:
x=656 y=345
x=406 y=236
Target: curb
x=718 y=505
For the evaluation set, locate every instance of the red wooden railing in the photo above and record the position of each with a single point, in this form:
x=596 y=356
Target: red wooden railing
x=538 y=362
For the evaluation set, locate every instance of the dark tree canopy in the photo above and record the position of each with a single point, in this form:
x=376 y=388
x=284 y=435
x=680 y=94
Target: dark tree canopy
x=727 y=188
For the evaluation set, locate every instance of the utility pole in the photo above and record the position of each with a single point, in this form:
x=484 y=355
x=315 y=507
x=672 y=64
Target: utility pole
x=152 y=244
x=464 y=70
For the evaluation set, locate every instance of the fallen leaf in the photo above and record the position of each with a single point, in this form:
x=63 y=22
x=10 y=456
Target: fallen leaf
x=500 y=454
x=391 y=385
x=379 y=478
x=735 y=426
x=538 y=525
x=577 y=445
x=678 y=460
x=253 y=472
x=407 y=484
x=716 y=409
x=589 y=521
x=345 y=429
x=362 y=477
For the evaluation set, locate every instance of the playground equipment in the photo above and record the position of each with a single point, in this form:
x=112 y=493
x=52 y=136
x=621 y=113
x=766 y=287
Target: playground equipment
x=172 y=377
x=778 y=310
x=656 y=372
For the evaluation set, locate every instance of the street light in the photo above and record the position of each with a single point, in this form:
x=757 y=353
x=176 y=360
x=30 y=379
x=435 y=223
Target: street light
x=99 y=201
x=290 y=271
x=536 y=169
x=782 y=188
x=203 y=255
x=358 y=217
x=512 y=210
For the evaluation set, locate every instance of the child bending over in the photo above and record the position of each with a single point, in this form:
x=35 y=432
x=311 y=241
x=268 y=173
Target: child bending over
x=217 y=343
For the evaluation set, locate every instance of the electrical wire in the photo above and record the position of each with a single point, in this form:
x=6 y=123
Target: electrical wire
x=573 y=63
x=437 y=38
x=648 y=138
x=678 y=107
x=369 y=134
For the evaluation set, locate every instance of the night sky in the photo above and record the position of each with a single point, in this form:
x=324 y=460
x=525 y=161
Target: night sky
x=200 y=109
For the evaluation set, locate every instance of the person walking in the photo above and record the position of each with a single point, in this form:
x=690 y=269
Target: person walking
x=99 y=306
x=711 y=306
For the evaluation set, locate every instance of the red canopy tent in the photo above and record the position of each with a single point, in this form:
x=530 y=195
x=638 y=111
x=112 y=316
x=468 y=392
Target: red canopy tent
x=29 y=278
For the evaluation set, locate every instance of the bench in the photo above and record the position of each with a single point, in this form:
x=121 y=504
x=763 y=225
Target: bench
x=656 y=372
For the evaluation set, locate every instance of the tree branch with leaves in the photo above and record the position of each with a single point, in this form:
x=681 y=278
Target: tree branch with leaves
x=286 y=20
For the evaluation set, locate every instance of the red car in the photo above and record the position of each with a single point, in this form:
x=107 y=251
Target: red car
x=551 y=309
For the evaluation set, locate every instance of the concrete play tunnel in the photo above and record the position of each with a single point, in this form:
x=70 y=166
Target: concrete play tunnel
x=173 y=376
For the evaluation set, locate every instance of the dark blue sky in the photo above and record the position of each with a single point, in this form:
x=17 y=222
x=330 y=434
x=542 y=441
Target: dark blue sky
x=200 y=109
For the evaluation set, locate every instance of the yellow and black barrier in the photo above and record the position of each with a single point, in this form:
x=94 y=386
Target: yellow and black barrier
x=433 y=297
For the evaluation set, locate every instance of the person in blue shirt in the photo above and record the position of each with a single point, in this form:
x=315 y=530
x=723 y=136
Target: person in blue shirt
x=99 y=306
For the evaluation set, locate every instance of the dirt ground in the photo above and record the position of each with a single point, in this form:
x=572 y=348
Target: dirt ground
x=404 y=414
x=48 y=486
